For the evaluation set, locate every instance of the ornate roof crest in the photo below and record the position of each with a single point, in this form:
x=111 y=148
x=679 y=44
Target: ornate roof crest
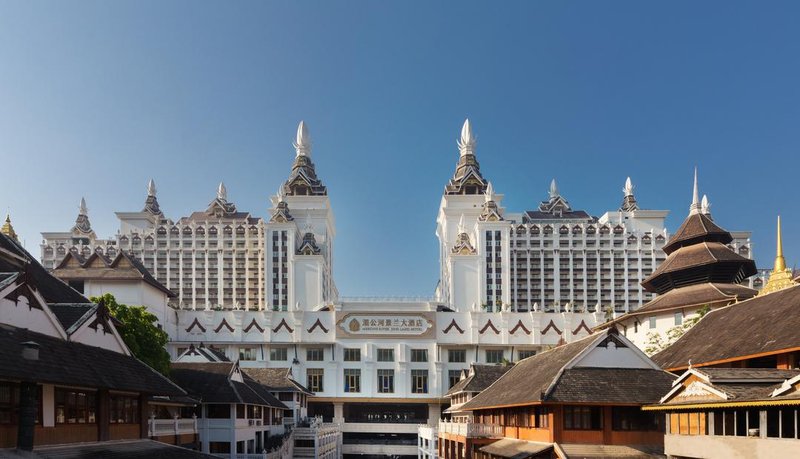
x=490 y=212
x=628 y=201
x=151 y=203
x=82 y=224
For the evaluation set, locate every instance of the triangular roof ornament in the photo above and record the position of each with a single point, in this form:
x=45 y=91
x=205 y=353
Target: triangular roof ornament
x=302 y=141
x=466 y=144
x=705 y=206
x=489 y=192
x=82 y=209
x=553 y=189
x=461 y=227
x=281 y=194
x=628 y=189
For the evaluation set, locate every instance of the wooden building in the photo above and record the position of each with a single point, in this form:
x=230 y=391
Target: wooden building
x=66 y=376
x=584 y=396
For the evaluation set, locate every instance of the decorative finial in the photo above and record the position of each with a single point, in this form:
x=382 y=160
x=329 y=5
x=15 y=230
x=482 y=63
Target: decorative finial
x=7 y=229
x=222 y=192
x=780 y=262
x=489 y=192
x=461 y=227
x=628 y=190
x=553 y=189
x=83 y=210
x=281 y=194
x=308 y=227
x=302 y=142
x=466 y=145
x=151 y=188
x=695 y=208
x=705 y=206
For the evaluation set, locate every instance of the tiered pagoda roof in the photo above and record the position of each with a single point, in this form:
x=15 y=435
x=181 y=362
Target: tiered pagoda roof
x=467 y=178
x=698 y=258
x=303 y=179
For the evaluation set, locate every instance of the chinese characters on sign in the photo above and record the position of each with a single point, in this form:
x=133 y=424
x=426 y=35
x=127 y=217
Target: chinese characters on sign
x=385 y=325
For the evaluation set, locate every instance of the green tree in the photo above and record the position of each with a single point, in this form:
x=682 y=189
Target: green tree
x=656 y=343
x=146 y=341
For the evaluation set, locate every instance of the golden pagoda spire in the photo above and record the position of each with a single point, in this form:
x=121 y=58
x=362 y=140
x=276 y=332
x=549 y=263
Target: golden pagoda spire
x=780 y=277
x=8 y=230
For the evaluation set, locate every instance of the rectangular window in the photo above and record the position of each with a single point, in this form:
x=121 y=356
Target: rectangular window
x=453 y=376
x=315 y=354
x=386 y=381
x=218 y=411
x=633 y=418
x=247 y=353
x=278 y=354
x=76 y=407
x=352 y=379
x=652 y=321
x=494 y=355
x=124 y=409
x=419 y=381
x=678 y=318
x=352 y=355
x=457 y=355
x=385 y=355
x=314 y=379
x=419 y=355
x=525 y=353
x=583 y=418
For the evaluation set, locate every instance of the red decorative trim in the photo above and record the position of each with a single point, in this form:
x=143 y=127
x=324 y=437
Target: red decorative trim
x=196 y=323
x=549 y=326
x=583 y=326
x=254 y=324
x=318 y=323
x=282 y=323
x=522 y=326
x=488 y=325
x=225 y=324
x=452 y=325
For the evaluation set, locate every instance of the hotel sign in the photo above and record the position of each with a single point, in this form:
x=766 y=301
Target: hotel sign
x=388 y=324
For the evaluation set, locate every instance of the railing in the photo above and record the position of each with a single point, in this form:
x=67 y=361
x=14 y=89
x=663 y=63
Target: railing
x=159 y=427
x=471 y=429
x=427 y=432
x=386 y=299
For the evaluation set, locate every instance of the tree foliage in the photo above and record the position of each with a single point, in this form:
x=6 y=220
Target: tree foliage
x=140 y=333
x=657 y=343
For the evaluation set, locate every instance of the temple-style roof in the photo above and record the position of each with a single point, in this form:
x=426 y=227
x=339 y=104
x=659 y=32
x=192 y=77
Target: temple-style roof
x=8 y=229
x=467 y=178
x=124 y=267
x=697 y=263
x=552 y=376
x=479 y=378
x=628 y=201
x=781 y=276
x=303 y=179
x=277 y=379
x=222 y=382
x=762 y=325
x=220 y=207
x=490 y=211
x=151 y=203
x=82 y=224
x=697 y=228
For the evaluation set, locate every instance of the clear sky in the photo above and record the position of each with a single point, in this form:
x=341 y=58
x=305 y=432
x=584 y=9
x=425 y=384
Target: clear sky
x=98 y=97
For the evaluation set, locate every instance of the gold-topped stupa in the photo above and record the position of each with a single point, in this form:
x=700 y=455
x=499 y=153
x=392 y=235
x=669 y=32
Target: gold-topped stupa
x=8 y=230
x=781 y=276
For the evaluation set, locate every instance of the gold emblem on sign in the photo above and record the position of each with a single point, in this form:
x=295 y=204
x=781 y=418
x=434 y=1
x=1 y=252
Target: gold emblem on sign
x=354 y=326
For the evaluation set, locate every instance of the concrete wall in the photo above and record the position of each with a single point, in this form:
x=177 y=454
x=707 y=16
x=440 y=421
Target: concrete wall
x=727 y=447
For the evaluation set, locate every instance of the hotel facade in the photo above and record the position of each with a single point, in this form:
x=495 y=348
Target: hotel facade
x=262 y=290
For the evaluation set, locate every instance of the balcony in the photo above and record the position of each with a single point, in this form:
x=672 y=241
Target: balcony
x=472 y=430
x=160 y=427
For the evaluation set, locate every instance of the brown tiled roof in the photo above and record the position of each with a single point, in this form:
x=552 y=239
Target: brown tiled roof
x=516 y=449
x=76 y=364
x=740 y=384
x=544 y=378
x=277 y=379
x=482 y=377
x=611 y=385
x=701 y=262
x=212 y=383
x=108 y=270
x=697 y=228
x=116 y=449
x=761 y=325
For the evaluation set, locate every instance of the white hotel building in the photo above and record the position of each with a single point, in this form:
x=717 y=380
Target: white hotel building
x=262 y=290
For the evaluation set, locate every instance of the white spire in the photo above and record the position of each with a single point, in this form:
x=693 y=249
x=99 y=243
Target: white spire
x=302 y=141
x=695 y=208
x=466 y=145
x=461 y=228
x=280 y=194
x=553 y=189
x=82 y=210
x=151 y=188
x=222 y=192
x=489 y=192
x=705 y=206
x=628 y=190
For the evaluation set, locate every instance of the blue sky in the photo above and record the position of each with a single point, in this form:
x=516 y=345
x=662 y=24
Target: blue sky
x=97 y=97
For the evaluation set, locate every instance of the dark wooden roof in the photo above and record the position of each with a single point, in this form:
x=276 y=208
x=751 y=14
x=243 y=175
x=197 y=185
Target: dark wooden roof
x=75 y=364
x=481 y=377
x=699 y=262
x=761 y=325
x=697 y=228
x=277 y=379
x=738 y=385
x=72 y=315
x=117 y=449
x=212 y=383
x=543 y=378
x=108 y=269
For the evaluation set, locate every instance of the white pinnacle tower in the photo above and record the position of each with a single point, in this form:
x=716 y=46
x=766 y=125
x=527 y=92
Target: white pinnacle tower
x=466 y=145
x=222 y=192
x=151 y=188
x=302 y=142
